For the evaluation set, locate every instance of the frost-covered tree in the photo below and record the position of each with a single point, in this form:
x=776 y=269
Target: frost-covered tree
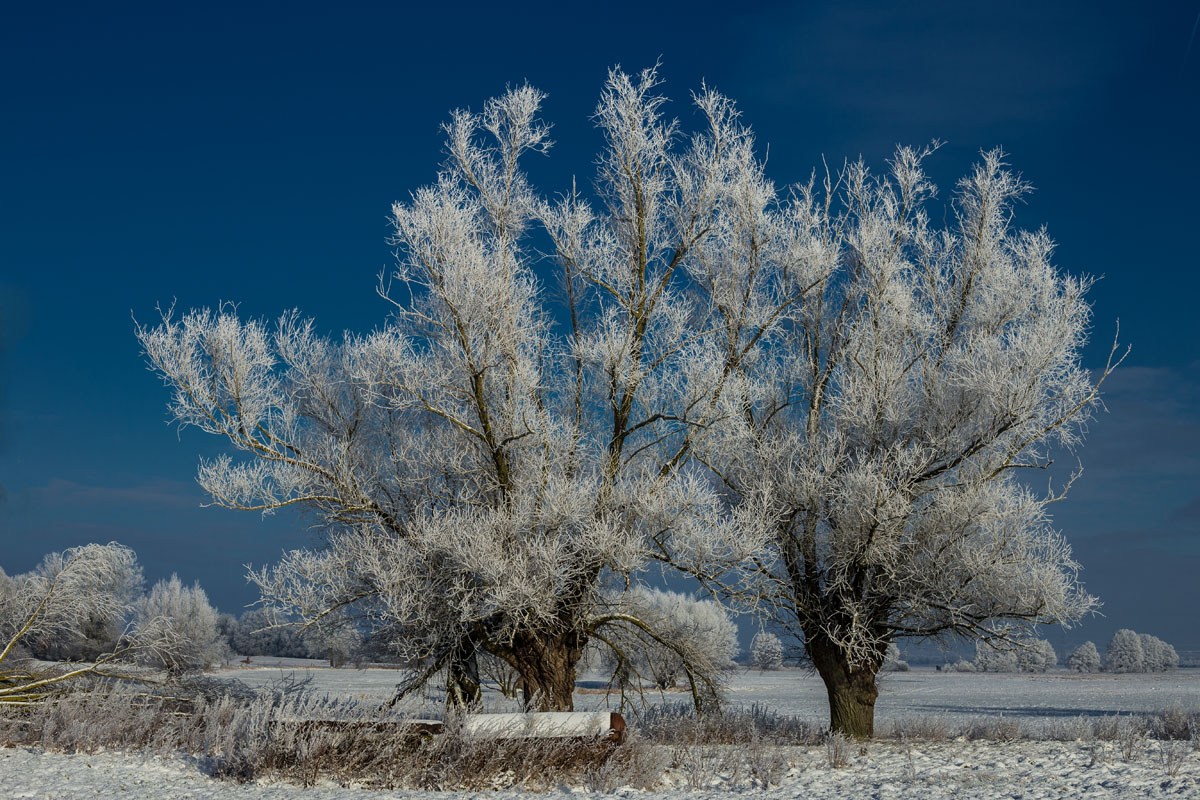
x=766 y=651
x=55 y=603
x=690 y=635
x=98 y=631
x=995 y=659
x=333 y=639
x=881 y=426
x=483 y=480
x=815 y=399
x=1168 y=658
x=1158 y=656
x=1037 y=655
x=1085 y=658
x=187 y=613
x=1124 y=653
x=892 y=661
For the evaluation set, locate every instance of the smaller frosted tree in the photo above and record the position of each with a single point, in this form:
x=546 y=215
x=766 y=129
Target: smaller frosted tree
x=892 y=661
x=1158 y=656
x=992 y=659
x=1036 y=656
x=683 y=636
x=187 y=613
x=766 y=651
x=96 y=630
x=1125 y=653
x=1085 y=658
x=52 y=603
x=335 y=640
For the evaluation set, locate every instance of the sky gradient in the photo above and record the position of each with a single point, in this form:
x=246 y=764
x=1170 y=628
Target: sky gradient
x=251 y=153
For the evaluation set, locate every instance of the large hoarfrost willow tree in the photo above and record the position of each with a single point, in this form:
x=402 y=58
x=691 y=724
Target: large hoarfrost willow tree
x=882 y=428
x=481 y=479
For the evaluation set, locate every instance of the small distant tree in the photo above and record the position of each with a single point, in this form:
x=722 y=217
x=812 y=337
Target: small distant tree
x=995 y=659
x=1085 y=658
x=501 y=674
x=892 y=661
x=1036 y=656
x=227 y=629
x=332 y=639
x=187 y=612
x=1124 y=653
x=1158 y=656
x=766 y=651
x=1170 y=658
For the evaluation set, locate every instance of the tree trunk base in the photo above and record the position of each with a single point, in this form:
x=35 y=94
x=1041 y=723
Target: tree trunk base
x=852 y=689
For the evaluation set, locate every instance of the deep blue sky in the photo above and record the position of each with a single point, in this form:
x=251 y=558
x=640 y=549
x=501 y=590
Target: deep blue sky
x=252 y=152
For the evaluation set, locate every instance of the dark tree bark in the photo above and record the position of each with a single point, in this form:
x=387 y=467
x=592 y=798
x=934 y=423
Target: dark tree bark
x=851 y=687
x=462 y=677
x=546 y=663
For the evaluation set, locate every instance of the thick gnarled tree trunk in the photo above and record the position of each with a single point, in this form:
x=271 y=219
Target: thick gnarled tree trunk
x=852 y=689
x=546 y=663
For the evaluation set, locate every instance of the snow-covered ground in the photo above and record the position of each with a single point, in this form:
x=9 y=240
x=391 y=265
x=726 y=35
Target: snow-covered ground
x=1028 y=770
x=887 y=769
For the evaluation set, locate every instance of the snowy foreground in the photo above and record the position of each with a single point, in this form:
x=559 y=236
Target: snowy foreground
x=947 y=770
x=883 y=769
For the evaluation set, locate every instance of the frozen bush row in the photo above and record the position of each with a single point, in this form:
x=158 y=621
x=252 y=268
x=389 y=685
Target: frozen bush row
x=1128 y=651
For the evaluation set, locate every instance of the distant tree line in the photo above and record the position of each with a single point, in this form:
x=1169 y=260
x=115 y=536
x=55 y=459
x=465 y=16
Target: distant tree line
x=1127 y=652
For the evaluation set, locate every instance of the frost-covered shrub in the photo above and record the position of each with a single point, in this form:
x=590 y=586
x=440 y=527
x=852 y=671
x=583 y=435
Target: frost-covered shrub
x=766 y=651
x=892 y=661
x=1036 y=656
x=1124 y=653
x=991 y=659
x=1085 y=658
x=962 y=665
x=1158 y=656
x=192 y=621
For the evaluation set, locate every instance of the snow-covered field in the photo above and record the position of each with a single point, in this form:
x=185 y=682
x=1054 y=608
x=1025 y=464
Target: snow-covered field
x=954 y=696
x=885 y=769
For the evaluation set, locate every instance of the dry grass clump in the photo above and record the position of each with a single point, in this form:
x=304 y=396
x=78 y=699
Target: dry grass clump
x=679 y=724
x=1171 y=724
